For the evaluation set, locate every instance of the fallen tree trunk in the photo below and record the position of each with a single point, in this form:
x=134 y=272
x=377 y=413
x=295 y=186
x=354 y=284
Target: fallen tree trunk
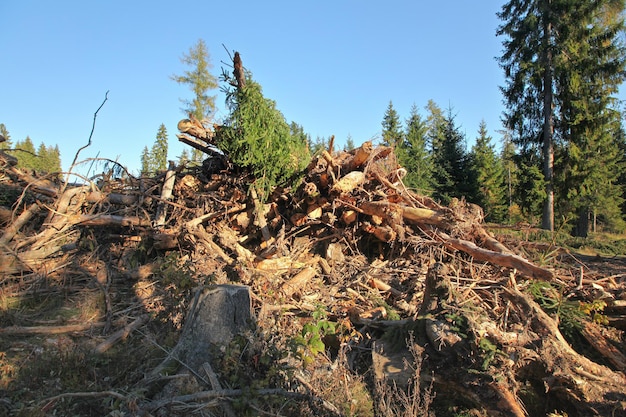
x=508 y=260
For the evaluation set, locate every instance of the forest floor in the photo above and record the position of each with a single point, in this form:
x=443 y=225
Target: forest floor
x=365 y=300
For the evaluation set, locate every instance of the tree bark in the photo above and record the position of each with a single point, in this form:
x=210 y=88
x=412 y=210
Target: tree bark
x=547 y=221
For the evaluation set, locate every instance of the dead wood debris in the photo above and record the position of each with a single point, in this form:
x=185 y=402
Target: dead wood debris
x=350 y=238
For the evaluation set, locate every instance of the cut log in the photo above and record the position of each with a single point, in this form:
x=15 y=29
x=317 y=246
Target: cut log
x=359 y=157
x=166 y=194
x=298 y=282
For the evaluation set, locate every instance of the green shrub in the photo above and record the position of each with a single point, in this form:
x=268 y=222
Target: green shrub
x=257 y=137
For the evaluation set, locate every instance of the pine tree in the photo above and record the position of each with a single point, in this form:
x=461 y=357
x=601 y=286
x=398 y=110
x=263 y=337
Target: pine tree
x=26 y=156
x=392 y=127
x=562 y=61
x=349 y=143
x=200 y=81
x=590 y=156
x=146 y=165
x=450 y=163
x=158 y=153
x=488 y=172
x=7 y=144
x=414 y=156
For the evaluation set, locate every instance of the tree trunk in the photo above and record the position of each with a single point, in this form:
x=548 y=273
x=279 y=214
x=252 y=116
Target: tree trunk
x=547 y=221
x=582 y=224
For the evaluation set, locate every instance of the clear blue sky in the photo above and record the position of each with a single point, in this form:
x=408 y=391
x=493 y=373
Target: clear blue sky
x=331 y=66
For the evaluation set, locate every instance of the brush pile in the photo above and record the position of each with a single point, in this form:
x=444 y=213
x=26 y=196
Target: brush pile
x=367 y=298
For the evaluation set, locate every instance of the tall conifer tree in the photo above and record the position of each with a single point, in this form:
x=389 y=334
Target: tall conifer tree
x=146 y=167
x=200 y=80
x=562 y=62
x=488 y=173
x=7 y=144
x=414 y=155
x=158 y=153
x=450 y=163
x=392 y=127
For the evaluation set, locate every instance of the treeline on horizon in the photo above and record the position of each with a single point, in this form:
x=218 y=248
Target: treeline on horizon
x=562 y=163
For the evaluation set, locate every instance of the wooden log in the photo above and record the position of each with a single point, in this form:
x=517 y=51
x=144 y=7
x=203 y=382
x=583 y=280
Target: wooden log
x=21 y=220
x=384 y=233
x=109 y=220
x=113 y=198
x=573 y=378
x=384 y=287
x=359 y=157
x=196 y=144
x=194 y=128
x=592 y=333
x=425 y=216
x=298 y=282
x=348 y=182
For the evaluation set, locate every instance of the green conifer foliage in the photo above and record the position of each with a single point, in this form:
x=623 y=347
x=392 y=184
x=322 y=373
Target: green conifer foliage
x=200 y=80
x=257 y=137
x=146 y=168
x=450 y=163
x=392 y=127
x=46 y=159
x=158 y=153
x=413 y=154
x=7 y=144
x=488 y=173
x=26 y=155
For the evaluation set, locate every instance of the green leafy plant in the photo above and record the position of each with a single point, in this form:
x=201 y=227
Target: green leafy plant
x=309 y=342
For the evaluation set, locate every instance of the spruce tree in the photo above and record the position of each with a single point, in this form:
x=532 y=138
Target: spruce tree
x=392 y=127
x=54 y=159
x=507 y=156
x=450 y=163
x=488 y=172
x=349 y=143
x=42 y=159
x=529 y=187
x=528 y=61
x=26 y=156
x=7 y=144
x=591 y=158
x=257 y=137
x=414 y=156
x=183 y=158
x=563 y=61
x=158 y=153
x=146 y=165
